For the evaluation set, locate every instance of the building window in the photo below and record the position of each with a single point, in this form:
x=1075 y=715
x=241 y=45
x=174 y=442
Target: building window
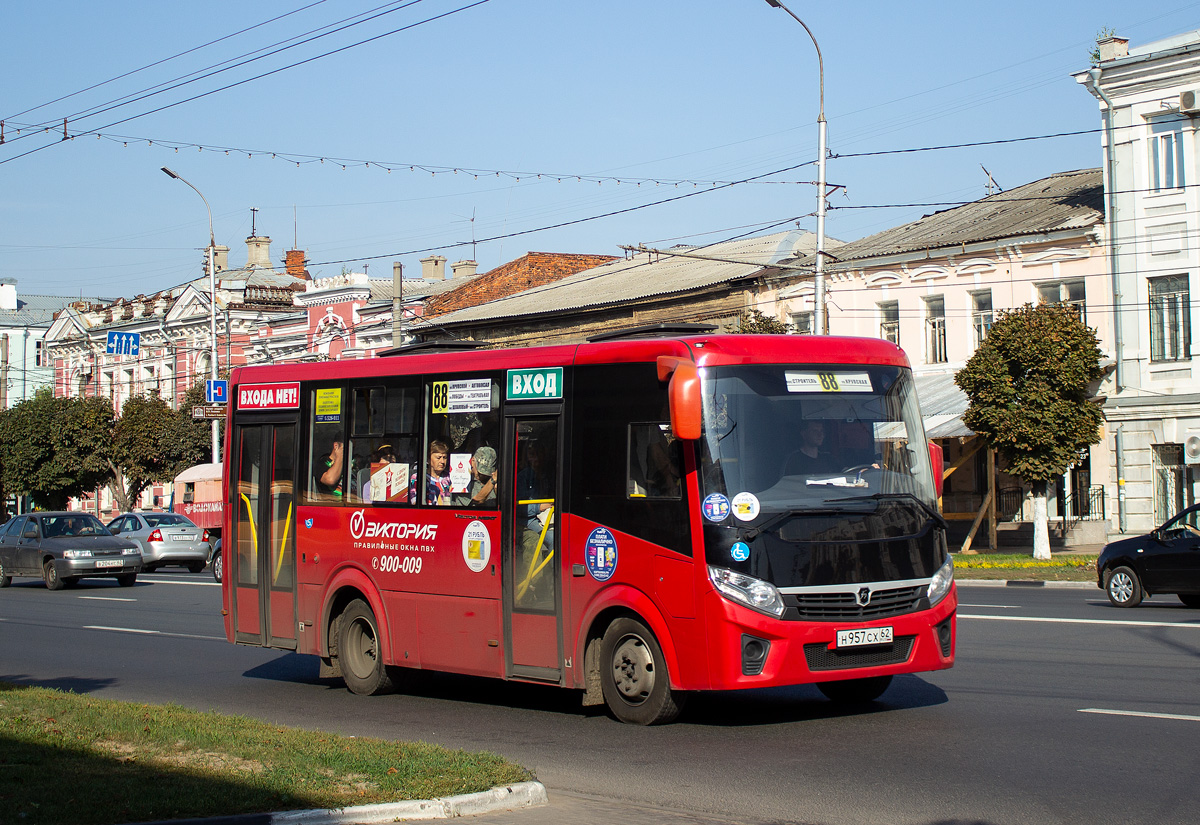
x=1173 y=489
x=1070 y=293
x=1170 y=319
x=935 y=330
x=38 y=354
x=889 y=321
x=981 y=314
x=1166 y=156
x=802 y=323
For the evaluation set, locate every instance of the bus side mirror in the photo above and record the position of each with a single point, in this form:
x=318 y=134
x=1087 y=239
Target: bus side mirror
x=684 y=395
x=937 y=460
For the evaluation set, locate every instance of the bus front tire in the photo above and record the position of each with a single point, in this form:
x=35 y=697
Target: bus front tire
x=855 y=691
x=634 y=677
x=359 y=653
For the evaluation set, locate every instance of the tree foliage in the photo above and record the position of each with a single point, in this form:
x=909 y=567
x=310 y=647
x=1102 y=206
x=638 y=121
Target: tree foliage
x=1028 y=389
x=754 y=322
x=55 y=448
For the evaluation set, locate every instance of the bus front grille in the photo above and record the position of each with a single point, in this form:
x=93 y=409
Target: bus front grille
x=844 y=607
x=821 y=657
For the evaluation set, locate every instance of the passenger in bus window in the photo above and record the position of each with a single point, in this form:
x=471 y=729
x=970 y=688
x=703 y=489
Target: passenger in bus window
x=437 y=479
x=330 y=469
x=482 y=492
x=535 y=484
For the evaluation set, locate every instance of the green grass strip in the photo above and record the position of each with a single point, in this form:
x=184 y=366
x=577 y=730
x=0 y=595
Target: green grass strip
x=1019 y=561
x=68 y=759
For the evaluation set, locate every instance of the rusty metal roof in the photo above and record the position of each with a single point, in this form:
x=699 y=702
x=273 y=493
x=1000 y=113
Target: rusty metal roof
x=645 y=275
x=1063 y=201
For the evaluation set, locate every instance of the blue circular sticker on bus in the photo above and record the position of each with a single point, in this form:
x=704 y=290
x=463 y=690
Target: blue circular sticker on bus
x=740 y=551
x=716 y=507
x=601 y=554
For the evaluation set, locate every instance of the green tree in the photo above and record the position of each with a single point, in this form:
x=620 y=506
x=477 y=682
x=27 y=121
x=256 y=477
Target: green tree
x=754 y=322
x=153 y=443
x=55 y=448
x=1028 y=386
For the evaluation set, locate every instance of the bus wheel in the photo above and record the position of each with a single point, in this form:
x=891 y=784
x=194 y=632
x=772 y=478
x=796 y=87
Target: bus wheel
x=359 y=652
x=855 y=691
x=634 y=678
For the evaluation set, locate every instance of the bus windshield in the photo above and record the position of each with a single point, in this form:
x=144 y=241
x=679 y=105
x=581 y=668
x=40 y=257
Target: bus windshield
x=782 y=438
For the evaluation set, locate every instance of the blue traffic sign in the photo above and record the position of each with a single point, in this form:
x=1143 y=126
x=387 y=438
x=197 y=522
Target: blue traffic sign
x=123 y=343
x=216 y=391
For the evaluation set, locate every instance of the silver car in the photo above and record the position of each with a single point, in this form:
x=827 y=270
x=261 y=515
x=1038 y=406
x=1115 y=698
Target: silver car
x=165 y=538
x=62 y=548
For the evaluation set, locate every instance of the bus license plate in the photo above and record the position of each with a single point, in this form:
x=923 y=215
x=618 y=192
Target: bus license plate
x=866 y=636
x=110 y=563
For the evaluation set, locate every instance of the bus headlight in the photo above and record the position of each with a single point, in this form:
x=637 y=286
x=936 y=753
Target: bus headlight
x=939 y=586
x=754 y=593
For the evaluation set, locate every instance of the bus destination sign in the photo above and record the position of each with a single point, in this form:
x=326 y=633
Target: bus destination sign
x=283 y=396
x=535 y=385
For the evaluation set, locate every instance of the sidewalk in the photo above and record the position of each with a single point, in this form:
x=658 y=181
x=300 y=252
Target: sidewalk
x=566 y=808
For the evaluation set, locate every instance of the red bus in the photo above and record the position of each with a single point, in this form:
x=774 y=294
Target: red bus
x=648 y=514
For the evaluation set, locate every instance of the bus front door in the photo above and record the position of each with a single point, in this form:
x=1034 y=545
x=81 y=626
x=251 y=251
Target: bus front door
x=532 y=597
x=264 y=539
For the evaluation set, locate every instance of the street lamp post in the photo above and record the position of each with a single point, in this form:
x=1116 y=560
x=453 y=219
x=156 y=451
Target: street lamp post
x=212 y=310
x=819 y=273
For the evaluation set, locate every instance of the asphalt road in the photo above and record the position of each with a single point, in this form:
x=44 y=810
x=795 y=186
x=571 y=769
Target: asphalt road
x=1060 y=709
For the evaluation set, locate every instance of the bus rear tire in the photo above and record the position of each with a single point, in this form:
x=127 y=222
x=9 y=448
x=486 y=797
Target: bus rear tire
x=634 y=677
x=855 y=691
x=359 y=653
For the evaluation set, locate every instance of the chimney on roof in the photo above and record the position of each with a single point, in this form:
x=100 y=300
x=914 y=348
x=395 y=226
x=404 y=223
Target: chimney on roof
x=463 y=269
x=8 y=294
x=1113 y=48
x=433 y=268
x=294 y=261
x=258 y=252
x=220 y=258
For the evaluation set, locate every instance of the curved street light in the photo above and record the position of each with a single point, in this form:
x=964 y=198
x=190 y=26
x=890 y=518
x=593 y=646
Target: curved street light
x=819 y=273
x=212 y=310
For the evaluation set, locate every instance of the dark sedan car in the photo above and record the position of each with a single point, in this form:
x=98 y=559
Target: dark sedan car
x=64 y=547
x=1165 y=560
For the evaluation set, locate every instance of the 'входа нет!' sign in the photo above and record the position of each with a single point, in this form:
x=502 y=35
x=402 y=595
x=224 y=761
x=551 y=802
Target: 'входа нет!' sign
x=285 y=396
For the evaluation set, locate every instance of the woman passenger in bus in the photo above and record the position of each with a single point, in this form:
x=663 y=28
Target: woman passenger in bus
x=437 y=479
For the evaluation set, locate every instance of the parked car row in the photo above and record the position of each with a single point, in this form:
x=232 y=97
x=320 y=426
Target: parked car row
x=63 y=547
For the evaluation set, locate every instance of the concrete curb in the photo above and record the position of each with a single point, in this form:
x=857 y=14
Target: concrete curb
x=1021 y=583
x=519 y=795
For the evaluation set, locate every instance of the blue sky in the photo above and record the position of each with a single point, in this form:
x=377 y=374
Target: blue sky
x=679 y=92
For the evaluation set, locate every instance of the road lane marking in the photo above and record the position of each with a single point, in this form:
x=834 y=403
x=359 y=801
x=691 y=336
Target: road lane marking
x=1109 y=712
x=176 y=581
x=1117 y=622
x=1005 y=606
x=108 y=599
x=152 y=632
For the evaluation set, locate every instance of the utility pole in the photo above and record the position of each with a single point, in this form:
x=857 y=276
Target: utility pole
x=4 y=373
x=397 y=303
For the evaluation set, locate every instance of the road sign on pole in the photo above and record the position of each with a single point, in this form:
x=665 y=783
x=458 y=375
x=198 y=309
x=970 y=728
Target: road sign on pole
x=216 y=391
x=123 y=343
x=209 y=411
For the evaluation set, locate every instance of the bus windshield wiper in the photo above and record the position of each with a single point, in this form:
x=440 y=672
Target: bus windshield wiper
x=924 y=505
x=754 y=532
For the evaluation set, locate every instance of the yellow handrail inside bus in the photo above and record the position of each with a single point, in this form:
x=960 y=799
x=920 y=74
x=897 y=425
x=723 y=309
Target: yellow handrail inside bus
x=534 y=566
x=253 y=529
x=283 y=543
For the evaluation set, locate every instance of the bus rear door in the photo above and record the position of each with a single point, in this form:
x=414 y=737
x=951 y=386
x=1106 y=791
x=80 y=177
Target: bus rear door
x=262 y=557
x=532 y=587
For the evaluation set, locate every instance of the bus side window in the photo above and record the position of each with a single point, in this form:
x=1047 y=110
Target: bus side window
x=327 y=455
x=383 y=449
x=458 y=422
x=655 y=465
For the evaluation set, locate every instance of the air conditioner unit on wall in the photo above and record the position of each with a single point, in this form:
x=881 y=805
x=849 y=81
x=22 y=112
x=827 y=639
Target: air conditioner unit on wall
x=1191 y=450
x=1189 y=102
